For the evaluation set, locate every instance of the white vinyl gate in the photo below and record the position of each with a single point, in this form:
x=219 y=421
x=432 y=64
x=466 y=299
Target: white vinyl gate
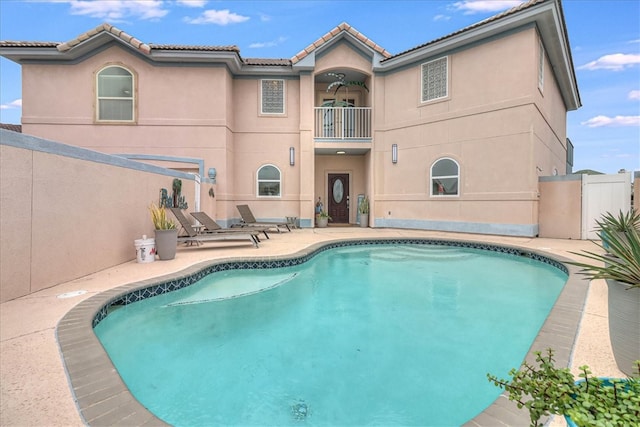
x=601 y=194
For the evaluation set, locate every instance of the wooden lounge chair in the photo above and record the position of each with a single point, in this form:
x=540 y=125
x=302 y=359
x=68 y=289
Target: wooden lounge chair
x=211 y=226
x=248 y=220
x=192 y=236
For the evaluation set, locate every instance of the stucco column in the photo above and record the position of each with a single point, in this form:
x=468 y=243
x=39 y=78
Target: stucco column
x=307 y=154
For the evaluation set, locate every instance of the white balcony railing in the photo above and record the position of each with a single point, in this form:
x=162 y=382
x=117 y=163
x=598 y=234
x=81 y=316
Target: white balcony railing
x=342 y=123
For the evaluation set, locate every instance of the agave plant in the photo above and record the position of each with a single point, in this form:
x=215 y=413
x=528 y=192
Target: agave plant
x=623 y=222
x=159 y=218
x=622 y=263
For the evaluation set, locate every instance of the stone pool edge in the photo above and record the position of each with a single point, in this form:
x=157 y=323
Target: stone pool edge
x=102 y=398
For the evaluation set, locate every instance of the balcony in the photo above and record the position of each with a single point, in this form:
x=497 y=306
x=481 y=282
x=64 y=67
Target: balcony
x=342 y=123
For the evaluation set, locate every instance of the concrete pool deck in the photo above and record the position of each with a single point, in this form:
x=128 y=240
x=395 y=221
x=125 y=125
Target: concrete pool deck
x=34 y=386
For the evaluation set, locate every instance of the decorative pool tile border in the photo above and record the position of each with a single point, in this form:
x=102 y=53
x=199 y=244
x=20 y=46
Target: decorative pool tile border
x=259 y=264
x=103 y=398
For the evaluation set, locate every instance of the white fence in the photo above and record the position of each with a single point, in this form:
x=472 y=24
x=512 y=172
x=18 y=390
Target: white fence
x=342 y=123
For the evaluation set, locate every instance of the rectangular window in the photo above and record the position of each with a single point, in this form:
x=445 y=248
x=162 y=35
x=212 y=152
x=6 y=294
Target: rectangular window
x=541 y=66
x=435 y=79
x=272 y=97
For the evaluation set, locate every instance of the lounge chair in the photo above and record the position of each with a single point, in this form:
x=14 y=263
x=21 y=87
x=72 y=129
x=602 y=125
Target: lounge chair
x=211 y=226
x=248 y=220
x=192 y=236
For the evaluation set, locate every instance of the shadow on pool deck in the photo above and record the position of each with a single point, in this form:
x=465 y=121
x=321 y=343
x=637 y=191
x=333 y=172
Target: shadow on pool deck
x=35 y=388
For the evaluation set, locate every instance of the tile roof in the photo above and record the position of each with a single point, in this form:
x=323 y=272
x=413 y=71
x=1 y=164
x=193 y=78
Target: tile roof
x=344 y=27
x=267 y=62
x=520 y=7
x=62 y=47
x=231 y=48
x=11 y=127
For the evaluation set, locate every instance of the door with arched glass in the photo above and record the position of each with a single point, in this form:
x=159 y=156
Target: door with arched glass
x=338 y=203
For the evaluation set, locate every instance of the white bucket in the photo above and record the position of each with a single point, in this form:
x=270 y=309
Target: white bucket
x=145 y=249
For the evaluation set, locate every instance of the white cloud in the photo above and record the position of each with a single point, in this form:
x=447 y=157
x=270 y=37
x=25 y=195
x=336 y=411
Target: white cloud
x=634 y=94
x=615 y=62
x=479 y=6
x=272 y=43
x=218 y=17
x=441 y=18
x=116 y=10
x=192 y=3
x=600 y=121
x=12 y=105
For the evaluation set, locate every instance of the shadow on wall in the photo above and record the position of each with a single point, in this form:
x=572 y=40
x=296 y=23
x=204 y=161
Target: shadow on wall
x=90 y=206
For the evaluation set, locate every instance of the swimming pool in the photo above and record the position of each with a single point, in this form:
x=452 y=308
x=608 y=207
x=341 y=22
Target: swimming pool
x=293 y=386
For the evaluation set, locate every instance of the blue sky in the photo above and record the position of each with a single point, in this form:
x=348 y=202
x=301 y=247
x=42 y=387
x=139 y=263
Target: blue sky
x=604 y=37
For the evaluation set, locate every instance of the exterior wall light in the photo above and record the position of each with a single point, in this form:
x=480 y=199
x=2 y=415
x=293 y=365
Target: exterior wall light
x=292 y=156
x=212 y=174
x=394 y=153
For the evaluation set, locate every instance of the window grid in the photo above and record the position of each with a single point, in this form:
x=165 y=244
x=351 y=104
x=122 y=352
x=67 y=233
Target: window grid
x=272 y=96
x=435 y=79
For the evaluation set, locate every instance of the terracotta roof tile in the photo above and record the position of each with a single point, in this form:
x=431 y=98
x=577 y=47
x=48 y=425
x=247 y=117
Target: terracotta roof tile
x=10 y=43
x=62 y=47
x=343 y=27
x=11 y=127
x=267 y=62
x=194 y=48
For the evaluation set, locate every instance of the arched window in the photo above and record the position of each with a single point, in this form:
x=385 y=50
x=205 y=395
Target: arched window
x=115 y=94
x=269 y=181
x=445 y=178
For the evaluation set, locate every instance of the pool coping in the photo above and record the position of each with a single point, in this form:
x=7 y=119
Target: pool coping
x=102 y=397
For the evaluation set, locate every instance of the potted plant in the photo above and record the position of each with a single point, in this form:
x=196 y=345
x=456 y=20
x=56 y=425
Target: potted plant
x=546 y=389
x=619 y=266
x=363 y=210
x=166 y=232
x=322 y=219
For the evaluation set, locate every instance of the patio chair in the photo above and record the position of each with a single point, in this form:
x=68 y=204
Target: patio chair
x=248 y=220
x=192 y=235
x=211 y=226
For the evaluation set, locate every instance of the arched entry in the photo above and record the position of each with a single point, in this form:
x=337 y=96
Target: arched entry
x=338 y=203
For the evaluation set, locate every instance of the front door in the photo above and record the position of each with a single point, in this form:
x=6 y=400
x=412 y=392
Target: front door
x=339 y=198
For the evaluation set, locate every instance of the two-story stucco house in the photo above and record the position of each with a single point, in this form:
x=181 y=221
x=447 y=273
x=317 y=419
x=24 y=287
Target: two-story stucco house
x=449 y=135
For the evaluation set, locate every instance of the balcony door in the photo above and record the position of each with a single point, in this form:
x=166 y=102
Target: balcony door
x=338 y=207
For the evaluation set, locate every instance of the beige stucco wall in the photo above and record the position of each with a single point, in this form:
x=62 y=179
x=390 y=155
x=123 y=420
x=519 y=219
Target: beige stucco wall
x=496 y=123
x=63 y=217
x=561 y=207
x=493 y=123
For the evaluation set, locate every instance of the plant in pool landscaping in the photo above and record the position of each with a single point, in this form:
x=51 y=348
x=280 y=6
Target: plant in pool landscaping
x=546 y=389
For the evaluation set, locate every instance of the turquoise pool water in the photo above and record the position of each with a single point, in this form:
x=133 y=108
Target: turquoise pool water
x=382 y=334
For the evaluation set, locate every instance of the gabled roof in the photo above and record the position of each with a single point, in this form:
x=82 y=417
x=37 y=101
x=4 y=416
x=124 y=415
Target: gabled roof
x=335 y=32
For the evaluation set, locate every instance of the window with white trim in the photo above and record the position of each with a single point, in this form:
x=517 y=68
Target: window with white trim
x=435 y=79
x=115 y=94
x=269 y=181
x=272 y=97
x=445 y=178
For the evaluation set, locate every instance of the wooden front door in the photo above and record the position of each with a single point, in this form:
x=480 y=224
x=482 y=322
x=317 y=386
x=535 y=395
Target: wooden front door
x=338 y=207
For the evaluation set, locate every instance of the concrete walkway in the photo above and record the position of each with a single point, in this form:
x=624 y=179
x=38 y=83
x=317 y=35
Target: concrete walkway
x=34 y=386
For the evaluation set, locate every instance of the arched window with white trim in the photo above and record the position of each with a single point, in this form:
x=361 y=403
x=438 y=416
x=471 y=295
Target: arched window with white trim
x=115 y=89
x=269 y=181
x=445 y=178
